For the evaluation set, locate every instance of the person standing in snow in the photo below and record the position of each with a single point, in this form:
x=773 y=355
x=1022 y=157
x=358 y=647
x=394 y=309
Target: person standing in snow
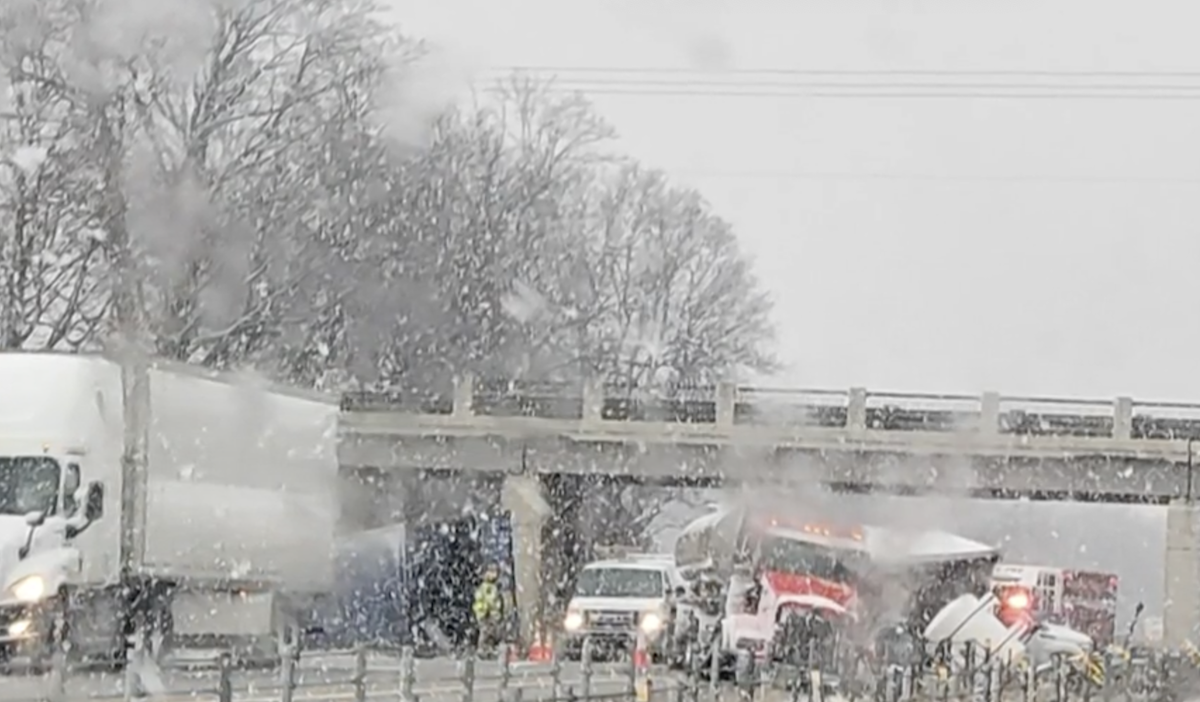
x=488 y=608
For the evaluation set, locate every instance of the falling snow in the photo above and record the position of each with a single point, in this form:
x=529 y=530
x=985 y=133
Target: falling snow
x=344 y=323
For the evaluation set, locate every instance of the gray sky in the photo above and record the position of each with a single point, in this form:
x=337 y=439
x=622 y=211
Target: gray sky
x=1028 y=246
x=937 y=245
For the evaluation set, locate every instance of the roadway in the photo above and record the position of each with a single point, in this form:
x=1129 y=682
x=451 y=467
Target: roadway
x=330 y=678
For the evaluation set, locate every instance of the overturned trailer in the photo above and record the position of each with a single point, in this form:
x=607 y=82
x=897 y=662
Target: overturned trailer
x=851 y=581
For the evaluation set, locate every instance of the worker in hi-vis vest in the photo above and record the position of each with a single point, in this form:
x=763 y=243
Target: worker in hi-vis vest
x=488 y=608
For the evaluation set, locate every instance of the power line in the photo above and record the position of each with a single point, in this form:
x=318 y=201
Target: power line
x=798 y=72
x=934 y=177
x=972 y=92
x=876 y=85
x=896 y=84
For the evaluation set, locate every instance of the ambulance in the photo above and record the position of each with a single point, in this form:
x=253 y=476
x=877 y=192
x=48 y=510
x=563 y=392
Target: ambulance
x=1083 y=600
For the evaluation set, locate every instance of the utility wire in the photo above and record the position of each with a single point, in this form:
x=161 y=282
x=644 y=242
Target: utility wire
x=870 y=84
x=809 y=73
x=932 y=177
x=813 y=73
x=873 y=95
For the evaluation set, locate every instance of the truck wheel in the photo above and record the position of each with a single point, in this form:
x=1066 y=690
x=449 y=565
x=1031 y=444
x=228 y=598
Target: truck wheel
x=744 y=670
x=687 y=660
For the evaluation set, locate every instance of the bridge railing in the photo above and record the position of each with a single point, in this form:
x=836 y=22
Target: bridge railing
x=857 y=409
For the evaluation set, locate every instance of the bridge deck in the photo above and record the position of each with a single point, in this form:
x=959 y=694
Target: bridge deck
x=989 y=424
x=990 y=445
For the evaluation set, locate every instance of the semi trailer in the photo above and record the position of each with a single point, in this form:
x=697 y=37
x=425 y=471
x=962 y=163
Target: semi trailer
x=236 y=511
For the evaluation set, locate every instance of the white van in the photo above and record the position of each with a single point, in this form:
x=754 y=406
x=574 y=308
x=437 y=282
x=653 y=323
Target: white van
x=616 y=601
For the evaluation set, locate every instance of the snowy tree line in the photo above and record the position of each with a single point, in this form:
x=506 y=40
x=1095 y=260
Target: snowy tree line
x=238 y=159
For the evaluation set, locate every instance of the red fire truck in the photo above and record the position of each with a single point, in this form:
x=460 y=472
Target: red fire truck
x=1082 y=600
x=773 y=566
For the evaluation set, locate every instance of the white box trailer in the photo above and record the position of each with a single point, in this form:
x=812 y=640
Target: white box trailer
x=239 y=512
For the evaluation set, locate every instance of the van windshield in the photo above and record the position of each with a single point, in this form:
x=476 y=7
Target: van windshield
x=28 y=484
x=620 y=582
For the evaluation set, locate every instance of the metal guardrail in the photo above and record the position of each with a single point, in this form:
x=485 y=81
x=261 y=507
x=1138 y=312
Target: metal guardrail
x=1103 y=677
x=359 y=676
x=364 y=676
x=727 y=405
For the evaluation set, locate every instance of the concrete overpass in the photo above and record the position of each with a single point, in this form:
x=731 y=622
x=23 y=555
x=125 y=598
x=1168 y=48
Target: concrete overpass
x=990 y=445
x=987 y=446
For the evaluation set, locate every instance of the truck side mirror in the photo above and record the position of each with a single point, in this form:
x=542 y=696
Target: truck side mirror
x=35 y=519
x=93 y=505
x=680 y=592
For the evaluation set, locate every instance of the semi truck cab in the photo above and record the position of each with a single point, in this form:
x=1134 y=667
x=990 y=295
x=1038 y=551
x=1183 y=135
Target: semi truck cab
x=44 y=505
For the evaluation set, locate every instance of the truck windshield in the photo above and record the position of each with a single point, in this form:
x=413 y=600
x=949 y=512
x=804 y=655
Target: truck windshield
x=803 y=558
x=28 y=484
x=619 y=582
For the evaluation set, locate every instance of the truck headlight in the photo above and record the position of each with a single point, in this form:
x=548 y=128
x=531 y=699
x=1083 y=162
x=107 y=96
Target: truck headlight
x=573 y=621
x=651 y=622
x=29 y=589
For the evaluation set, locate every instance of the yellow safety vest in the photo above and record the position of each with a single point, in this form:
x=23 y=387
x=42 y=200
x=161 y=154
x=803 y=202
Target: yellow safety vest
x=487 y=601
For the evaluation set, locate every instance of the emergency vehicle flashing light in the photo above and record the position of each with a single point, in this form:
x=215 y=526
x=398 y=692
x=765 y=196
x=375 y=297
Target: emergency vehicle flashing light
x=1018 y=599
x=818 y=529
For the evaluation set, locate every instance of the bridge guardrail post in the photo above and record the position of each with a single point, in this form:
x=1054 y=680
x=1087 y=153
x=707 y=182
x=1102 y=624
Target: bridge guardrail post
x=593 y=400
x=224 y=678
x=360 y=674
x=1122 y=426
x=585 y=665
x=714 y=671
x=468 y=675
x=506 y=651
x=989 y=413
x=693 y=669
x=856 y=410
x=408 y=673
x=287 y=672
x=464 y=395
x=57 y=678
x=726 y=403
x=556 y=686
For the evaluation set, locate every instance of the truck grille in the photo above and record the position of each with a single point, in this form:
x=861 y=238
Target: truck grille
x=611 y=620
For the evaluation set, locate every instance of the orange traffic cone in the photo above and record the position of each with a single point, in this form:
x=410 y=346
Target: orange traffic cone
x=641 y=660
x=540 y=650
x=641 y=667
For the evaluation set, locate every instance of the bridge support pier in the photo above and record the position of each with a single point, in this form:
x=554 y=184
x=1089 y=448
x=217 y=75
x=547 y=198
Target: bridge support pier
x=522 y=497
x=1181 y=601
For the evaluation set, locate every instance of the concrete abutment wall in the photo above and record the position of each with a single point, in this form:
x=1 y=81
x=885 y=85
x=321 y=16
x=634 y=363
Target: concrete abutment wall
x=1181 y=599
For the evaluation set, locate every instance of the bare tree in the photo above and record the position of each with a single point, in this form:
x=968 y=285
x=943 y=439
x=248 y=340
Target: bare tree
x=51 y=243
x=484 y=210
x=258 y=153
x=662 y=291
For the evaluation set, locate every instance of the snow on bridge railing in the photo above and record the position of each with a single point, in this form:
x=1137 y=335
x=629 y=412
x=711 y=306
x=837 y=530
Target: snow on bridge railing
x=855 y=409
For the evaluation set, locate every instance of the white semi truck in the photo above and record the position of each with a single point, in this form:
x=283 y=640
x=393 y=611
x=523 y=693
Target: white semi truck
x=238 y=515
